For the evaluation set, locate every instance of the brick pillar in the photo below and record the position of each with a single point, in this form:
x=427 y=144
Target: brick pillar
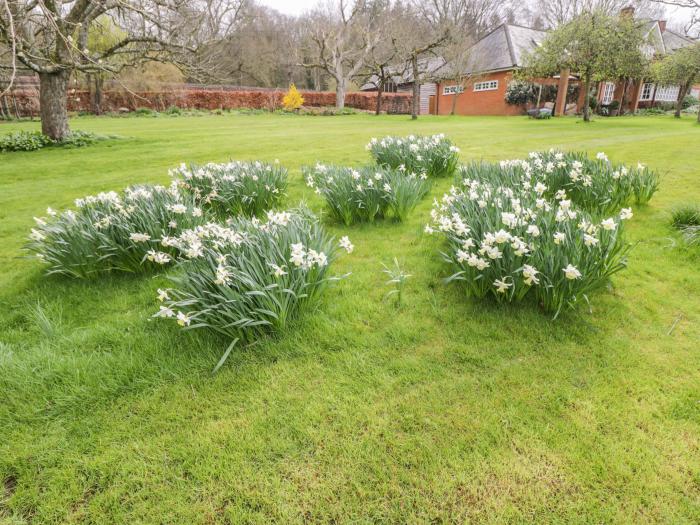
x=636 y=93
x=560 y=104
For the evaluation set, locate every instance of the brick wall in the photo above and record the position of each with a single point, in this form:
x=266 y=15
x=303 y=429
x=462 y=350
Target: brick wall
x=27 y=100
x=478 y=102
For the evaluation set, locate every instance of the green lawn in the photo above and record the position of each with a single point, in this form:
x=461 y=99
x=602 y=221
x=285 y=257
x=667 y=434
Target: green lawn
x=443 y=410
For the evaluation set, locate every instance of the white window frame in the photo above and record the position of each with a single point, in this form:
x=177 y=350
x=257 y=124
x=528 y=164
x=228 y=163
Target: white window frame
x=647 y=92
x=452 y=90
x=488 y=85
x=667 y=93
x=608 y=93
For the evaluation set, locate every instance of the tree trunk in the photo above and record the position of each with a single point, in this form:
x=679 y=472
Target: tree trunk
x=454 y=99
x=53 y=104
x=622 y=99
x=586 y=99
x=415 y=105
x=698 y=116
x=682 y=90
x=97 y=95
x=340 y=94
x=380 y=90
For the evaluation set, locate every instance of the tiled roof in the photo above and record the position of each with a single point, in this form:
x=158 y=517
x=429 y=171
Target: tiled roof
x=674 y=41
x=503 y=48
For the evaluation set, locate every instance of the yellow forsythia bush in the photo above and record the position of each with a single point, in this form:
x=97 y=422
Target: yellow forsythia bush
x=292 y=99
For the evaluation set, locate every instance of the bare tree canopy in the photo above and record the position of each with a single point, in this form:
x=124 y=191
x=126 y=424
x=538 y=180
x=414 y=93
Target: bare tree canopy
x=557 y=12
x=341 y=36
x=50 y=38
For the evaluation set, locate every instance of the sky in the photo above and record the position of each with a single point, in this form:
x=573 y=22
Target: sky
x=298 y=7
x=290 y=7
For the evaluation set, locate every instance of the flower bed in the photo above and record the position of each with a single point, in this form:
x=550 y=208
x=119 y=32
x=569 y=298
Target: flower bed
x=368 y=193
x=597 y=185
x=132 y=232
x=508 y=240
x=434 y=156
x=248 y=188
x=247 y=278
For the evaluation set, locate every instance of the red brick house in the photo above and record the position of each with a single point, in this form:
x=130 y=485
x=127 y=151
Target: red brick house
x=487 y=72
x=644 y=94
x=494 y=59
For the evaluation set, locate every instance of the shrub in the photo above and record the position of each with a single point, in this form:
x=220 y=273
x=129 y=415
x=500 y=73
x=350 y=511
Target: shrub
x=173 y=110
x=687 y=215
x=508 y=241
x=435 y=156
x=145 y=112
x=687 y=220
x=24 y=141
x=292 y=99
x=133 y=232
x=519 y=93
x=368 y=193
x=689 y=101
x=248 y=188
x=651 y=111
x=35 y=140
x=248 y=279
x=78 y=139
x=598 y=185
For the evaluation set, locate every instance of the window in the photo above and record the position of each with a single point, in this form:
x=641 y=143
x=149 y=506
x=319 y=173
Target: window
x=647 y=92
x=608 y=93
x=451 y=90
x=486 y=86
x=667 y=93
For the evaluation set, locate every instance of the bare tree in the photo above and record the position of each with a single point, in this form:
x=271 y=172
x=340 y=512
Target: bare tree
x=49 y=37
x=421 y=40
x=466 y=22
x=382 y=68
x=557 y=12
x=341 y=38
x=384 y=63
x=468 y=19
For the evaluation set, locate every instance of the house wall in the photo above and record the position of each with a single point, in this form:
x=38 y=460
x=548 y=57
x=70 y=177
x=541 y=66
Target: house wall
x=478 y=102
x=426 y=91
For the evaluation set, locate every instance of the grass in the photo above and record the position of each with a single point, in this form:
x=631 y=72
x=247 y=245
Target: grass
x=440 y=410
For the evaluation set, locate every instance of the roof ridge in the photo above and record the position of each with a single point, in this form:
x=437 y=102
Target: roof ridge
x=509 y=42
x=499 y=26
x=526 y=27
x=684 y=37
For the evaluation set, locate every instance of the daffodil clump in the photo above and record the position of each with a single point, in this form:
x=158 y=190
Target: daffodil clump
x=366 y=194
x=435 y=156
x=512 y=241
x=598 y=185
x=131 y=232
x=233 y=188
x=248 y=278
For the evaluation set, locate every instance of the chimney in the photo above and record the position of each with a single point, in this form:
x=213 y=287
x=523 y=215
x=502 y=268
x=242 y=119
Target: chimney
x=662 y=25
x=627 y=11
